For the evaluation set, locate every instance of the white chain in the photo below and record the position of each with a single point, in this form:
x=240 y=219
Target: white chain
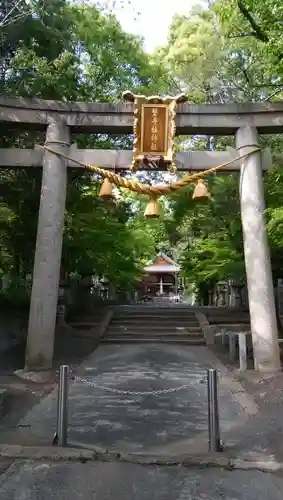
x=136 y=393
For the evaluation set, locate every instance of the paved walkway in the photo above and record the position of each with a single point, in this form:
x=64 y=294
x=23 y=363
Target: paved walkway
x=115 y=420
x=116 y=481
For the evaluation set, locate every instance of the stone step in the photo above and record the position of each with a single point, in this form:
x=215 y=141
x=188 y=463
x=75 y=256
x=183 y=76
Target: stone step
x=155 y=305
x=156 y=312
x=153 y=326
x=147 y=333
x=153 y=315
x=218 y=314
x=144 y=314
x=229 y=321
x=155 y=333
x=230 y=315
x=227 y=315
x=156 y=321
x=165 y=321
x=157 y=340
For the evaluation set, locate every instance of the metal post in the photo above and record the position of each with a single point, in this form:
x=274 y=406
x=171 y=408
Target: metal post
x=62 y=408
x=214 y=443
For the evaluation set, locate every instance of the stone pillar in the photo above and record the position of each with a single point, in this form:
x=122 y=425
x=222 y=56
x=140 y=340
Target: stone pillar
x=243 y=357
x=46 y=272
x=257 y=257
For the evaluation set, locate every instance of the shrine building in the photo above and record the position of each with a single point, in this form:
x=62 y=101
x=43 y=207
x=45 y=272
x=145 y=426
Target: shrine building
x=161 y=278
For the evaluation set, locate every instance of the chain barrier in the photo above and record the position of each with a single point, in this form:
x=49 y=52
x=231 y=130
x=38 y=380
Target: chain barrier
x=138 y=393
x=60 y=436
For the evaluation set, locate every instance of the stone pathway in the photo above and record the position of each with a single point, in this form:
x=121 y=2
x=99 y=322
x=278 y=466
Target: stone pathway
x=141 y=423
x=27 y=480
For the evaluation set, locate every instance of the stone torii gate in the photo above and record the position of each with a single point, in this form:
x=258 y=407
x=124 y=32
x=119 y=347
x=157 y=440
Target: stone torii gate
x=61 y=119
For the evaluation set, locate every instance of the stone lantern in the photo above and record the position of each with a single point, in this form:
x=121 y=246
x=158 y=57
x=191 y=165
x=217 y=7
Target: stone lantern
x=235 y=294
x=222 y=293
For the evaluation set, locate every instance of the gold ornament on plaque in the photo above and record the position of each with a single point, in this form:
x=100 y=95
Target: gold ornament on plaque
x=154 y=130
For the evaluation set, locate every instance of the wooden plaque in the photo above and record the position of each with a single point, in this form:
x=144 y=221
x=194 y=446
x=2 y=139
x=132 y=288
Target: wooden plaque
x=154 y=130
x=154 y=127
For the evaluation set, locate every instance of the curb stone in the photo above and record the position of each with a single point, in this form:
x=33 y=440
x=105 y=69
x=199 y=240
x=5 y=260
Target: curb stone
x=15 y=451
x=218 y=460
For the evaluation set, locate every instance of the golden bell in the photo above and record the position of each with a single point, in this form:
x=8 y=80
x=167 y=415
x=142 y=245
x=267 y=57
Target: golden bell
x=106 y=190
x=201 y=192
x=152 y=210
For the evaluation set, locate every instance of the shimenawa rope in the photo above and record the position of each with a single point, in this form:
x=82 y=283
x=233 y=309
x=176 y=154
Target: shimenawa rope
x=147 y=189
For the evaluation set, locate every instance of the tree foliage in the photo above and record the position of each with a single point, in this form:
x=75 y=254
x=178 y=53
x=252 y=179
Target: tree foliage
x=71 y=51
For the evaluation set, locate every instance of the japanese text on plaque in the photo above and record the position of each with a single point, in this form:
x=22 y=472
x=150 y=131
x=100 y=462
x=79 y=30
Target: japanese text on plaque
x=154 y=129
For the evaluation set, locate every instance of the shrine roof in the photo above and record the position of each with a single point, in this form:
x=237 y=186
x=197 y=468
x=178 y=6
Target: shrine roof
x=162 y=264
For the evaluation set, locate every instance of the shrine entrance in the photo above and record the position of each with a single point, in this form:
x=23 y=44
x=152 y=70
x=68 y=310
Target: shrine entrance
x=154 y=121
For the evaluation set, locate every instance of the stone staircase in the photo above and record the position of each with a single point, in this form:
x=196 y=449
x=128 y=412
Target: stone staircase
x=140 y=324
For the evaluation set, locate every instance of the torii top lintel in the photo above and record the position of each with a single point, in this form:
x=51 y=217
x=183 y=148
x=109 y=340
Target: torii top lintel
x=214 y=119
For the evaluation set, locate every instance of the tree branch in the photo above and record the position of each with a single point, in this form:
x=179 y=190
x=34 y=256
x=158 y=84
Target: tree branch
x=258 y=32
x=274 y=93
x=242 y=35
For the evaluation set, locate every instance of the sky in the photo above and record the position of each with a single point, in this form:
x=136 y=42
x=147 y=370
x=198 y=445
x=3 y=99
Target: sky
x=154 y=18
